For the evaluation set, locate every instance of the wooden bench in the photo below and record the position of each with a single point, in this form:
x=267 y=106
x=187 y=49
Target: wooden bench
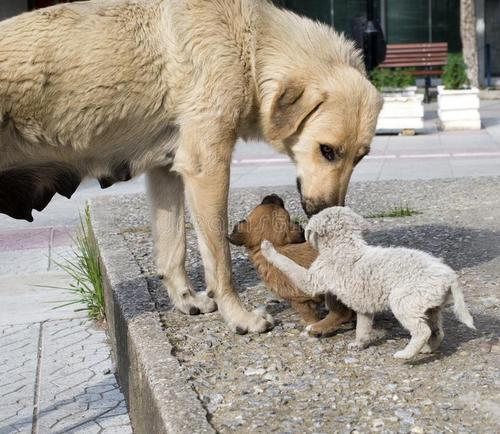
x=428 y=59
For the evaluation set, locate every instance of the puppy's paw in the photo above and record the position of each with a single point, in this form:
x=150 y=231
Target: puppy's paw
x=267 y=248
x=404 y=355
x=318 y=330
x=426 y=349
x=256 y=321
x=311 y=331
x=194 y=303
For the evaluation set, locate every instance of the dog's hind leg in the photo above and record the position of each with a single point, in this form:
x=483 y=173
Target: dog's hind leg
x=166 y=199
x=308 y=310
x=420 y=334
x=435 y=322
x=338 y=315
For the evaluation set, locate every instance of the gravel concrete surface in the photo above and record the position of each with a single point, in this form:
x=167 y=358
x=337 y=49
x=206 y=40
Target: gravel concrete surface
x=284 y=381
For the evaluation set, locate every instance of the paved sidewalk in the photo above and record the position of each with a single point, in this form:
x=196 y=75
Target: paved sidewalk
x=56 y=373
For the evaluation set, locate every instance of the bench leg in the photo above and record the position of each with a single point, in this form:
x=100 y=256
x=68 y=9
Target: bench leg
x=427 y=87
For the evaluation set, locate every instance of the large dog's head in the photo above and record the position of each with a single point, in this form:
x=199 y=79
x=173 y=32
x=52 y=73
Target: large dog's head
x=326 y=123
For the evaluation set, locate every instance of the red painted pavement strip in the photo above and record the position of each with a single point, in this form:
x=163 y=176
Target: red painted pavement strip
x=374 y=156
x=63 y=237
x=38 y=238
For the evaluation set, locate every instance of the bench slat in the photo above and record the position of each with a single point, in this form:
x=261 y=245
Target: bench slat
x=427 y=72
x=417 y=55
x=443 y=45
x=404 y=64
x=423 y=54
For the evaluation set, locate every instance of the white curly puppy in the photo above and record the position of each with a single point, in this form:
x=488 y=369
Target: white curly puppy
x=368 y=279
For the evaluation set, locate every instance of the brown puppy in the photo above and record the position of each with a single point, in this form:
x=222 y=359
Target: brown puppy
x=271 y=221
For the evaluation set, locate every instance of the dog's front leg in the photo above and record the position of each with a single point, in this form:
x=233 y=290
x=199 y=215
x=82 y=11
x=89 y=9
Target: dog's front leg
x=205 y=168
x=298 y=275
x=166 y=201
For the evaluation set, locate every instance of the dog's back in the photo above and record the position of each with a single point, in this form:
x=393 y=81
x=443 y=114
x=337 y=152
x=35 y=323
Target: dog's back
x=67 y=74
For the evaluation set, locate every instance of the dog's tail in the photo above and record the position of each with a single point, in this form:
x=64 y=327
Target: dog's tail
x=459 y=307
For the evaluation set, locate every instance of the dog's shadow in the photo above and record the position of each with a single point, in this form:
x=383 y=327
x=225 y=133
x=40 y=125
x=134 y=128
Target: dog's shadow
x=456 y=334
x=460 y=247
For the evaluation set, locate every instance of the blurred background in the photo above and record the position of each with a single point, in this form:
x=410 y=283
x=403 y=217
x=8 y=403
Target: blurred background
x=402 y=21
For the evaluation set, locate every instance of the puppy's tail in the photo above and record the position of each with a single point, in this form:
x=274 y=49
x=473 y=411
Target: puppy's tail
x=459 y=307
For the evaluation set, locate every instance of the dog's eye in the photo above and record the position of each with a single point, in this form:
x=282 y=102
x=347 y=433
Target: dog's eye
x=328 y=152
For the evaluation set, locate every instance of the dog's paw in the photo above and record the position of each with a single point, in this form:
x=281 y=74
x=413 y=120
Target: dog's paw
x=256 y=321
x=356 y=346
x=426 y=349
x=404 y=355
x=194 y=303
x=312 y=331
x=318 y=330
x=267 y=248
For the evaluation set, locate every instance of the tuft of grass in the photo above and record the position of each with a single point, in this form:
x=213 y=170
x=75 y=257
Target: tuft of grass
x=400 y=211
x=85 y=270
x=299 y=220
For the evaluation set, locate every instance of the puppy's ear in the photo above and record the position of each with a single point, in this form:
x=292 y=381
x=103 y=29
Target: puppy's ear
x=293 y=102
x=273 y=199
x=238 y=236
x=296 y=234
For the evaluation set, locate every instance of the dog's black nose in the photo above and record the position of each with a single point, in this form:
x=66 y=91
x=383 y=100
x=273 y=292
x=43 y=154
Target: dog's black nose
x=273 y=199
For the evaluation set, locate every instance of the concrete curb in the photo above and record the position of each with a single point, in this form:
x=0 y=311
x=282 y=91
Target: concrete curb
x=159 y=398
x=489 y=94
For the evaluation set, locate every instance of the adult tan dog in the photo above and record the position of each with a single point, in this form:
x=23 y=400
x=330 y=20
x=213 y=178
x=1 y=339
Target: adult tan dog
x=114 y=88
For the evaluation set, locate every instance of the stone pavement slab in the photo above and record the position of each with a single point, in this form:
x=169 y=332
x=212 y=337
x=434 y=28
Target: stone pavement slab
x=56 y=373
x=56 y=377
x=284 y=381
x=78 y=391
x=18 y=363
x=36 y=298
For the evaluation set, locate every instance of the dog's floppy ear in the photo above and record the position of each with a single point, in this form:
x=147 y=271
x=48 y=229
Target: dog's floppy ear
x=238 y=236
x=293 y=102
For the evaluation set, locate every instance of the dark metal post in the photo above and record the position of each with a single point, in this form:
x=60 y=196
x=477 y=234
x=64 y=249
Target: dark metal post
x=487 y=53
x=370 y=36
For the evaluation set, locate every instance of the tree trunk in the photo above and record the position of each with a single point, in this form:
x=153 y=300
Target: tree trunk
x=469 y=40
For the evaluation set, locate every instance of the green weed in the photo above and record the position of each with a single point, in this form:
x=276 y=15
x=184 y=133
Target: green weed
x=400 y=211
x=85 y=270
